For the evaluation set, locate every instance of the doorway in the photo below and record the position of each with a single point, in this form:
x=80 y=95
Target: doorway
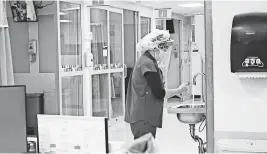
x=199 y=56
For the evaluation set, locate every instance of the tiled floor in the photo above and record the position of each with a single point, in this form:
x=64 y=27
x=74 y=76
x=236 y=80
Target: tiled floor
x=174 y=137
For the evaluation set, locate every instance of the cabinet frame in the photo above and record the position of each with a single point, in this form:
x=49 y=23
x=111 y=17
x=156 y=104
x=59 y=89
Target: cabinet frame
x=59 y=74
x=109 y=70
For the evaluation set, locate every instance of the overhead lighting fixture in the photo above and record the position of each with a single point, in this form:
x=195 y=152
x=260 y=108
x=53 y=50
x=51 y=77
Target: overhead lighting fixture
x=191 y=5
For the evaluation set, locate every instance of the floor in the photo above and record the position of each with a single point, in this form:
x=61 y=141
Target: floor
x=174 y=137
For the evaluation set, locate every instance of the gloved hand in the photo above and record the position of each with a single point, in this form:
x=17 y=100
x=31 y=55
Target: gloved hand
x=182 y=88
x=144 y=144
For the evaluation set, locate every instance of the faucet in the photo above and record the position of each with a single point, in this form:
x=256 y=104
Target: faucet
x=195 y=82
x=195 y=77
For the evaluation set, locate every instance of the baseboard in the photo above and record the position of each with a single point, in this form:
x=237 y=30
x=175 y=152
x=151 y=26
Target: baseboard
x=219 y=135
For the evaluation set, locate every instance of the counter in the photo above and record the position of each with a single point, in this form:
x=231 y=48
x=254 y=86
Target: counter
x=173 y=102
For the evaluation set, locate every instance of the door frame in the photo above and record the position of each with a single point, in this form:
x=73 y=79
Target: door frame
x=209 y=76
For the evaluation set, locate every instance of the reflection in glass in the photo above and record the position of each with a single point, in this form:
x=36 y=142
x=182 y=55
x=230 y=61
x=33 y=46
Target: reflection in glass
x=116 y=95
x=100 y=95
x=115 y=40
x=98 y=22
x=72 y=96
x=70 y=35
x=145 y=26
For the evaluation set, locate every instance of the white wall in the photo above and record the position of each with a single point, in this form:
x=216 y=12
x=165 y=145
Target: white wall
x=199 y=57
x=239 y=105
x=28 y=73
x=200 y=34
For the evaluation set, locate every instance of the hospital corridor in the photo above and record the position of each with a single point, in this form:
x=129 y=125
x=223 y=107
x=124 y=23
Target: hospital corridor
x=133 y=76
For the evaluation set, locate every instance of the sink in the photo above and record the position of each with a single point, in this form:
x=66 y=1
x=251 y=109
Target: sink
x=189 y=113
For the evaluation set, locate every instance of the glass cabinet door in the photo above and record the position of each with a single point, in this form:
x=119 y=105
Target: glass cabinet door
x=108 y=74
x=99 y=44
x=116 y=62
x=115 y=31
x=72 y=96
x=117 y=95
x=100 y=95
x=70 y=59
x=70 y=36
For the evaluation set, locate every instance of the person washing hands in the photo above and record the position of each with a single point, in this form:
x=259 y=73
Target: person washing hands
x=146 y=92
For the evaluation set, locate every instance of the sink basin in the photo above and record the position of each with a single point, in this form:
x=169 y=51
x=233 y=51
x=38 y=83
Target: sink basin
x=189 y=113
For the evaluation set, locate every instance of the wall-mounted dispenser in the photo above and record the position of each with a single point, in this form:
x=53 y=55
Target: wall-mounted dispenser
x=194 y=47
x=33 y=50
x=249 y=45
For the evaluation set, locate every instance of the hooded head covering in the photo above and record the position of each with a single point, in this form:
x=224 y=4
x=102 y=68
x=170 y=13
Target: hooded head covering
x=157 y=39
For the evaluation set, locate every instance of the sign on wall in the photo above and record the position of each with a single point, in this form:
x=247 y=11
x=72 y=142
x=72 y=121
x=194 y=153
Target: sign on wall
x=163 y=13
x=98 y=2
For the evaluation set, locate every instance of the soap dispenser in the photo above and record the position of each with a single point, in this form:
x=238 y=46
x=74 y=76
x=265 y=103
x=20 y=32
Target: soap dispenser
x=249 y=45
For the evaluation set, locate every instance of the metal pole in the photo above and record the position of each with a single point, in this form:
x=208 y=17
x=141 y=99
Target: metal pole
x=209 y=76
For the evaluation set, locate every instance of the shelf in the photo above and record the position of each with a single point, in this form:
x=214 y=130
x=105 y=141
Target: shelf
x=105 y=71
x=74 y=73
x=93 y=72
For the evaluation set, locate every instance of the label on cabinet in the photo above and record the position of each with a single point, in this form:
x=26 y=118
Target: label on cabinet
x=163 y=13
x=105 y=51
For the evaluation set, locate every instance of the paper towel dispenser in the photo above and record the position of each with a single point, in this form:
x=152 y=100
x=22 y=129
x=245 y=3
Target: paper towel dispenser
x=249 y=43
